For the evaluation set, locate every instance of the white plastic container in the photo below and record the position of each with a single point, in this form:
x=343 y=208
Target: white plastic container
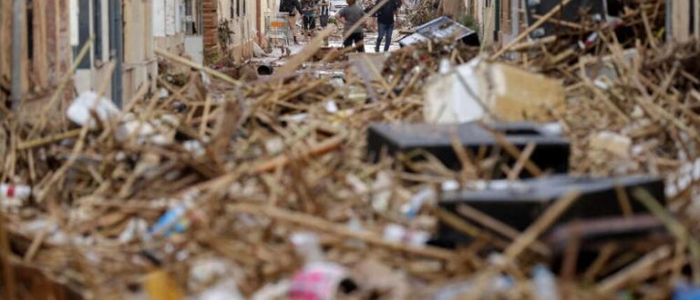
x=79 y=109
x=399 y=234
x=11 y=191
x=545 y=285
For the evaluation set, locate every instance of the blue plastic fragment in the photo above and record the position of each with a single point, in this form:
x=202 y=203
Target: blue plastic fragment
x=684 y=291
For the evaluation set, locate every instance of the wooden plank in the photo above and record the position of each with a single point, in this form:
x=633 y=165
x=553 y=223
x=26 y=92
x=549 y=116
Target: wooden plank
x=681 y=20
x=57 y=31
x=131 y=35
x=26 y=65
x=696 y=18
x=5 y=47
x=40 y=57
x=149 y=44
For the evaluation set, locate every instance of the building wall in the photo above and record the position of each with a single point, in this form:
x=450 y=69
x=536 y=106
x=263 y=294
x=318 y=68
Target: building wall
x=241 y=16
x=683 y=20
x=168 y=30
x=92 y=18
x=140 y=65
x=46 y=46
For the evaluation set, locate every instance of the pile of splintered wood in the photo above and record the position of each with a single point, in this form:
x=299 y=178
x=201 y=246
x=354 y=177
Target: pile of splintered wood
x=262 y=160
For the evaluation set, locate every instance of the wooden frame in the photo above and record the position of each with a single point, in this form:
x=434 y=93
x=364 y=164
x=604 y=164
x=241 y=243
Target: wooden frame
x=683 y=19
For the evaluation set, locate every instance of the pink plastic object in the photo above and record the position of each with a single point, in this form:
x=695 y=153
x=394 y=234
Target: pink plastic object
x=317 y=281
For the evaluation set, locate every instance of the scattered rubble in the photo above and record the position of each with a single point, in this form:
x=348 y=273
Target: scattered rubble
x=207 y=187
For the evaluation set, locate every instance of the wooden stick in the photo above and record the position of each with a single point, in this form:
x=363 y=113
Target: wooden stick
x=205 y=116
x=359 y=23
x=36 y=244
x=513 y=151
x=49 y=139
x=534 y=43
x=197 y=66
x=306 y=53
x=339 y=230
x=530 y=29
x=5 y=252
x=638 y=271
x=673 y=226
x=520 y=163
x=499 y=227
x=543 y=222
x=561 y=22
x=81 y=139
x=280 y=161
x=59 y=91
x=603 y=257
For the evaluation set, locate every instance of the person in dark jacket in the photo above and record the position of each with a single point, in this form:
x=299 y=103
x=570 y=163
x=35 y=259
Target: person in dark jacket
x=291 y=7
x=387 y=16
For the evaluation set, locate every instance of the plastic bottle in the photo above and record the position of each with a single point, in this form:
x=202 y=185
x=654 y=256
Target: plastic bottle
x=175 y=218
x=170 y=218
x=414 y=205
x=684 y=291
x=11 y=191
x=459 y=290
x=545 y=283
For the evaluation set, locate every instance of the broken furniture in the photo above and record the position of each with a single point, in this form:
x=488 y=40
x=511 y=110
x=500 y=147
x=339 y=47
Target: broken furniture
x=440 y=28
x=551 y=151
x=519 y=204
x=480 y=89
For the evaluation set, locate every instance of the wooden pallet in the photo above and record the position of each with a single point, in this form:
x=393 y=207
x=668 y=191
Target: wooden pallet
x=683 y=19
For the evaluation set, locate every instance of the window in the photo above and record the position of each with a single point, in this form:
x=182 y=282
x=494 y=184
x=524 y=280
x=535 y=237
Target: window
x=231 y=10
x=83 y=32
x=97 y=27
x=238 y=8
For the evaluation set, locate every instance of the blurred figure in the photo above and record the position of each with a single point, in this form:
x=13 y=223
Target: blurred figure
x=372 y=20
x=323 y=17
x=349 y=16
x=387 y=17
x=325 y=13
x=308 y=11
x=291 y=6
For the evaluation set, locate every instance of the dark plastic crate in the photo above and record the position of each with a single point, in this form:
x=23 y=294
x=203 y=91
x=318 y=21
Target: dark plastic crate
x=521 y=205
x=551 y=152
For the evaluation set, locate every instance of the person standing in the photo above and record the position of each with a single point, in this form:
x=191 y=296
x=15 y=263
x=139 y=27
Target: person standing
x=325 y=13
x=349 y=16
x=386 y=17
x=324 y=16
x=291 y=6
x=308 y=8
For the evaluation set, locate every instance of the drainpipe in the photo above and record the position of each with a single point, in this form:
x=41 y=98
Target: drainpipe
x=497 y=26
x=515 y=23
x=669 y=23
x=17 y=43
x=116 y=42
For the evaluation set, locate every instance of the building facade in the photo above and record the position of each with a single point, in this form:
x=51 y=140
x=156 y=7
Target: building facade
x=232 y=27
x=46 y=51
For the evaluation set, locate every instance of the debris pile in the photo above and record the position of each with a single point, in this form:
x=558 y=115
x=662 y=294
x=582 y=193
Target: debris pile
x=263 y=189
